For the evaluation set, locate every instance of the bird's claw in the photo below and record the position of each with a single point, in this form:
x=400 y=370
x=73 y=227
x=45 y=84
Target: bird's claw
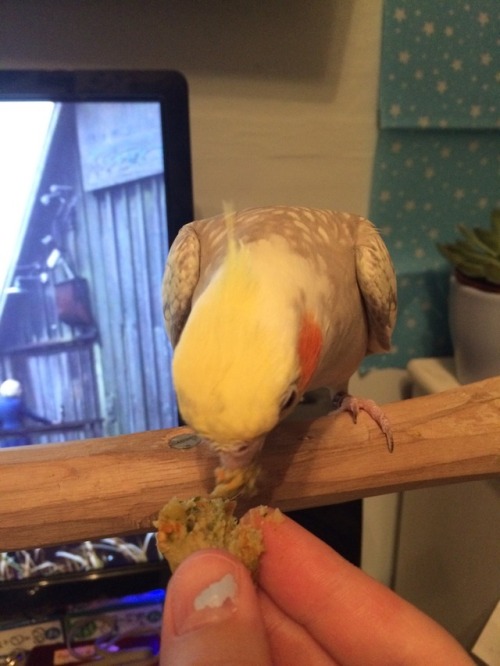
x=344 y=402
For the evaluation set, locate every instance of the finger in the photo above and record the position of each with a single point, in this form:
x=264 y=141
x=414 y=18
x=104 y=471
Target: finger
x=212 y=614
x=290 y=643
x=347 y=612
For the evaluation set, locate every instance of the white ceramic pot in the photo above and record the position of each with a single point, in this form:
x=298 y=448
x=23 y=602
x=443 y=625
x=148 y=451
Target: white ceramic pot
x=475 y=331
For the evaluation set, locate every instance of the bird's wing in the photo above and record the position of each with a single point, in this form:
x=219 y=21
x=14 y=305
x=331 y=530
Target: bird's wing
x=180 y=278
x=377 y=283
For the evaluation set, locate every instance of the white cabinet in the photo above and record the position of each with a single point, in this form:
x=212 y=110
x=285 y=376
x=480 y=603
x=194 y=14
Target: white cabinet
x=448 y=547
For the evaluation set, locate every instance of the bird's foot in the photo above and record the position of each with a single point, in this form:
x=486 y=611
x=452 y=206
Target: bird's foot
x=344 y=402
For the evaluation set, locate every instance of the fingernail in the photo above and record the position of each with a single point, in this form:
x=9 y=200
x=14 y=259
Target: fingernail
x=204 y=591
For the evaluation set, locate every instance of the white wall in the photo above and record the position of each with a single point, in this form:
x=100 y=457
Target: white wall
x=283 y=93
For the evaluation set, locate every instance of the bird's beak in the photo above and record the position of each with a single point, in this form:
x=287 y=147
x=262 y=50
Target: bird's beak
x=240 y=454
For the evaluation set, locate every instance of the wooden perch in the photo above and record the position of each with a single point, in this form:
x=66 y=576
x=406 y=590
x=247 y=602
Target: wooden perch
x=59 y=493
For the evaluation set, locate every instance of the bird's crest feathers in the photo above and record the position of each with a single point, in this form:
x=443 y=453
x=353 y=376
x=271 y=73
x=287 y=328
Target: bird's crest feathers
x=229 y=222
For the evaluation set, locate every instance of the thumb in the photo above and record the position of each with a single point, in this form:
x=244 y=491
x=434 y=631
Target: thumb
x=212 y=614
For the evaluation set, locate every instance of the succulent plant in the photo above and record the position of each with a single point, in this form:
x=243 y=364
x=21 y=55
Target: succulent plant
x=477 y=253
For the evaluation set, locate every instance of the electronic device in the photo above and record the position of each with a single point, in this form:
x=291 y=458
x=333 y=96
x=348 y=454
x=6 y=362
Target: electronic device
x=95 y=182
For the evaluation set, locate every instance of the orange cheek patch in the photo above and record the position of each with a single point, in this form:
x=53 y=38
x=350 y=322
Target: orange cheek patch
x=310 y=342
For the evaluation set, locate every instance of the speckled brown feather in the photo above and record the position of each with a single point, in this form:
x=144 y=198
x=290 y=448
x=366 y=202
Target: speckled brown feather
x=377 y=283
x=181 y=276
x=344 y=247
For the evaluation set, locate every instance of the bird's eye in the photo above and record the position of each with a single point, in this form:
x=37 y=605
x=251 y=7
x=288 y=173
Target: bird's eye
x=288 y=400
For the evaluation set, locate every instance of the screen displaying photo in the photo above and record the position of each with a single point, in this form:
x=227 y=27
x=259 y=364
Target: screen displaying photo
x=95 y=183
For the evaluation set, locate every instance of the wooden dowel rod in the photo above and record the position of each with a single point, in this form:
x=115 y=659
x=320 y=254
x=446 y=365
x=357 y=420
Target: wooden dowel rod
x=60 y=493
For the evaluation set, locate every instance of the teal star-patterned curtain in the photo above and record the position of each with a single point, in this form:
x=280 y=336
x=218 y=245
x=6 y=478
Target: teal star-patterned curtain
x=440 y=65
x=437 y=162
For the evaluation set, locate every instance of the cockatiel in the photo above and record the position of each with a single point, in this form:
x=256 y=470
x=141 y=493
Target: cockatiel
x=264 y=305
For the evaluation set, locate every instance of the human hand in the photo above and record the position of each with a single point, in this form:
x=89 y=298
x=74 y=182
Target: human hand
x=310 y=607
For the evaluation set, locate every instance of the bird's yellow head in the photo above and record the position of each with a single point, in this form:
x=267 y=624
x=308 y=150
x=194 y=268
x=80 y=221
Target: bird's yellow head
x=244 y=355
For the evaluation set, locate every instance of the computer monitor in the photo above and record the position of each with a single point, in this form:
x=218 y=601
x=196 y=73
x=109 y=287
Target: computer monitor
x=95 y=184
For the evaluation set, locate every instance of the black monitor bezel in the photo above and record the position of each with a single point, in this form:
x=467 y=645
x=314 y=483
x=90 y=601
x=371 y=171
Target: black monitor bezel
x=169 y=88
